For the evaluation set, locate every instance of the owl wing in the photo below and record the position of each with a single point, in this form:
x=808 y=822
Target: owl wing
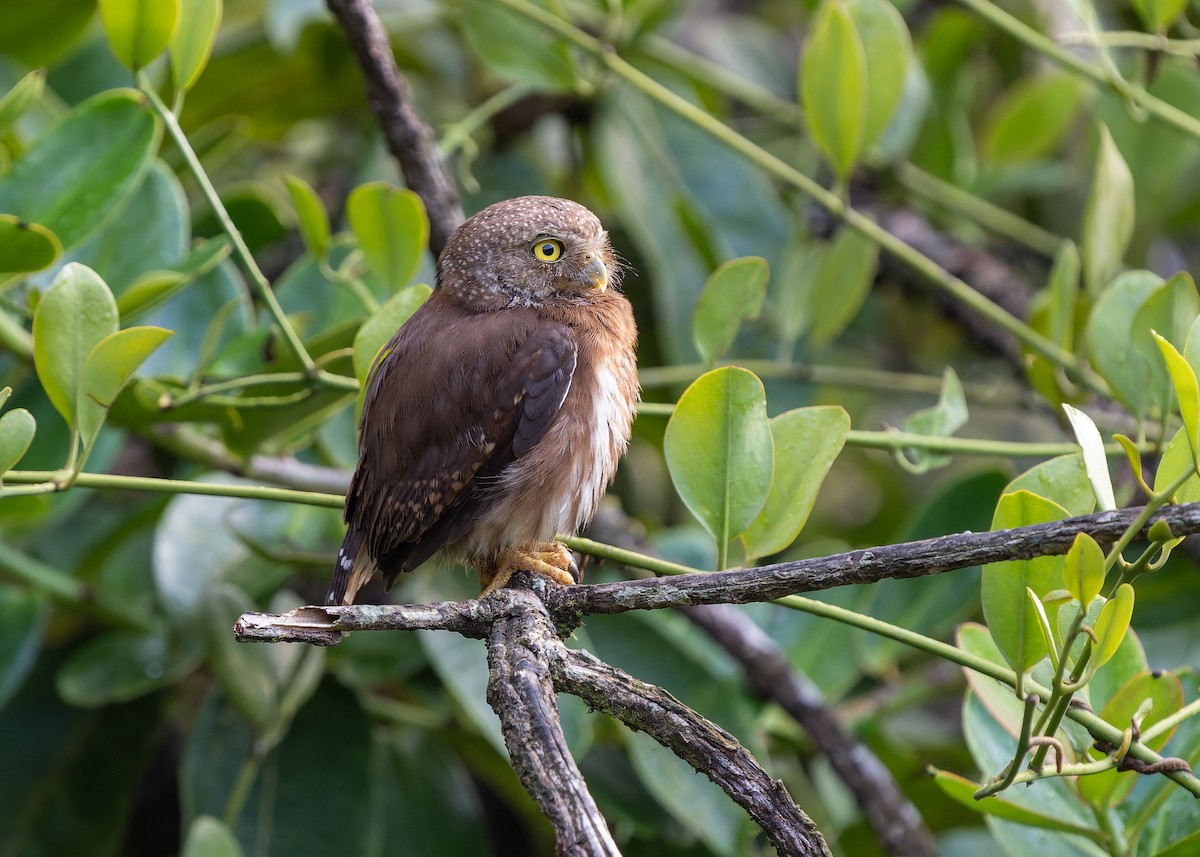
x=438 y=428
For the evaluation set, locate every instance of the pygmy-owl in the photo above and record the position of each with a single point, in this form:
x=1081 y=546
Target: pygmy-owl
x=495 y=416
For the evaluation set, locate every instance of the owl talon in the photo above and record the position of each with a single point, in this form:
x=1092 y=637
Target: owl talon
x=551 y=560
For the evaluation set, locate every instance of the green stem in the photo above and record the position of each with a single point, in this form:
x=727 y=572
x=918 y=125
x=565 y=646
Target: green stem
x=1156 y=42
x=922 y=264
x=36 y=573
x=168 y=401
x=1104 y=820
x=173 y=486
x=239 y=244
x=1014 y=767
x=247 y=774
x=462 y=130
x=1165 y=725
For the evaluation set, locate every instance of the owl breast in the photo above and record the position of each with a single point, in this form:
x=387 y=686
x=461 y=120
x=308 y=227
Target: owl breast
x=556 y=487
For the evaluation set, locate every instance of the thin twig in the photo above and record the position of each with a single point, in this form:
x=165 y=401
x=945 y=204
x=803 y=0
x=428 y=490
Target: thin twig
x=409 y=139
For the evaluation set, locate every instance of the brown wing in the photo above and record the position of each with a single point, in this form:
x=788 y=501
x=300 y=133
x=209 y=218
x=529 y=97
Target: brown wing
x=457 y=398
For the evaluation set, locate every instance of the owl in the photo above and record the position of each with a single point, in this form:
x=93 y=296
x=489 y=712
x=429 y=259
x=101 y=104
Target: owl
x=495 y=416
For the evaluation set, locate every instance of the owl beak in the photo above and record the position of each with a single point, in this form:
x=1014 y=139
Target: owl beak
x=594 y=274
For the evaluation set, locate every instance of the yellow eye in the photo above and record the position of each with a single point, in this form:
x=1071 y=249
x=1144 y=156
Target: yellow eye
x=548 y=250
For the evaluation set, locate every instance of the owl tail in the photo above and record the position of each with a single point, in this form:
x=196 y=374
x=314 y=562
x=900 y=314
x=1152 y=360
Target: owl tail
x=354 y=567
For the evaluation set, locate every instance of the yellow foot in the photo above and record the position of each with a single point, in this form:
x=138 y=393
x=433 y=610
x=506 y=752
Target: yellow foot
x=551 y=560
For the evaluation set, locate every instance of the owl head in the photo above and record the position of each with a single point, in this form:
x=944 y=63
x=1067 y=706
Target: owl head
x=529 y=251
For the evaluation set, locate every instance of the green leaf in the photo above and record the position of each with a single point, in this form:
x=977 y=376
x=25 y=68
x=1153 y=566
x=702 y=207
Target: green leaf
x=1111 y=338
x=209 y=837
x=841 y=286
x=17 y=428
x=998 y=806
x=118 y=666
x=38 y=33
x=887 y=49
x=719 y=451
x=192 y=43
x=806 y=442
x=1175 y=461
x=1031 y=119
x=510 y=44
x=1083 y=570
x=24 y=94
x=80 y=171
x=1187 y=390
x=108 y=368
x=1170 y=311
x=155 y=287
x=1111 y=626
x=74 y=314
x=392 y=229
x=244 y=671
x=139 y=30
x=1043 y=624
x=1108 y=217
x=833 y=86
x=1095 y=460
x=382 y=325
x=26 y=246
x=314 y=221
x=733 y=293
x=1158 y=15
x=1009 y=616
x=941 y=420
x=23 y=614
x=1062 y=480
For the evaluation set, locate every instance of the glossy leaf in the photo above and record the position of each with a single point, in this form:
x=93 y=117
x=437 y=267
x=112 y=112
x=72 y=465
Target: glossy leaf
x=1083 y=570
x=1170 y=311
x=23 y=614
x=24 y=94
x=734 y=293
x=73 y=316
x=1030 y=120
x=1062 y=480
x=310 y=211
x=833 y=86
x=963 y=791
x=82 y=169
x=38 y=33
x=26 y=246
x=1108 y=217
x=392 y=229
x=382 y=325
x=806 y=442
x=193 y=41
x=1187 y=390
x=1095 y=460
x=1175 y=461
x=941 y=420
x=139 y=30
x=887 y=49
x=1110 y=628
x=107 y=370
x=1111 y=338
x=120 y=665
x=155 y=287
x=1009 y=616
x=1158 y=15
x=719 y=450
x=842 y=284
x=17 y=428
x=209 y=837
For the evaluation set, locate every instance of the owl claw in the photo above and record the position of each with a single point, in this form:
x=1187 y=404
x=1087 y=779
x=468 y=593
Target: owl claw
x=551 y=560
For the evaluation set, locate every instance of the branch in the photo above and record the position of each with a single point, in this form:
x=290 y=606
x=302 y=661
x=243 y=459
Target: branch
x=702 y=744
x=409 y=139
x=522 y=694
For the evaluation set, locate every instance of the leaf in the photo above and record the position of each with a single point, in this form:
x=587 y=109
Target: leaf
x=1108 y=216
x=733 y=293
x=1170 y=311
x=887 y=49
x=719 y=451
x=314 y=220
x=1006 y=609
x=209 y=837
x=998 y=806
x=1095 y=460
x=107 y=370
x=510 y=45
x=80 y=171
x=17 y=428
x=1083 y=570
x=1030 y=120
x=806 y=442
x=23 y=614
x=244 y=671
x=192 y=43
x=1111 y=338
x=38 y=33
x=382 y=325
x=392 y=229
x=1062 y=480
x=1187 y=391
x=26 y=246
x=941 y=420
x=139 y=30
x=118 y=666
x=841 y=286
x=1158 y=15
x=1175 y=461
x=1110 y=628
x=153 y=288
x=833 y=86
x=25 y=93
x=74 y=314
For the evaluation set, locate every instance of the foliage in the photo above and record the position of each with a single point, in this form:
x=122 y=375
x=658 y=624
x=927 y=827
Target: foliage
x=204 y=246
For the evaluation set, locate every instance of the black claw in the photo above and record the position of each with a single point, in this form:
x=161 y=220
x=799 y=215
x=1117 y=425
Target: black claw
x=575 y=571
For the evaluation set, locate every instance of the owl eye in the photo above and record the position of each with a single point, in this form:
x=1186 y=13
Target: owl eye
x=548 y=250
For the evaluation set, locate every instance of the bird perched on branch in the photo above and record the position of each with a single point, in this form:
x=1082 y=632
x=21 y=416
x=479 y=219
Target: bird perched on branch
x=495 y=416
